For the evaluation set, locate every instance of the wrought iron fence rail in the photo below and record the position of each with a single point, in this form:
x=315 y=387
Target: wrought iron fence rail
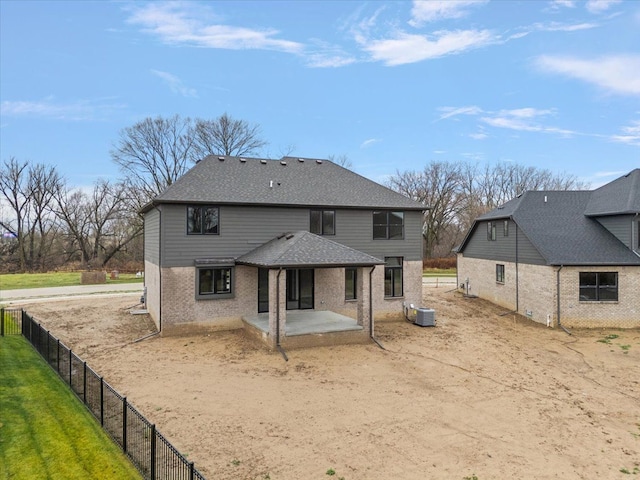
x=149 y=451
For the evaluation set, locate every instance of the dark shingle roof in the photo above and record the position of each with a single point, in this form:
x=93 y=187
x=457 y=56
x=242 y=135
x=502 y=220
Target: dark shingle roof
x=556 y=225
x=622 y=196
x=290 y=181
x=305 y=249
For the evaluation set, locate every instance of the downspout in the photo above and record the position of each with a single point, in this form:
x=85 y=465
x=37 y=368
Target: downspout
x=517 y=274
x=278 y=346
x=558 y=299
x=371 y=308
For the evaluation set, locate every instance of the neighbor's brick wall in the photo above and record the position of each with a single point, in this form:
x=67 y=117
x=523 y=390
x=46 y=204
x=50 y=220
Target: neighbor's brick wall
x=536 y=293
x=152 y=284
x=625 y=313
x=538 y=289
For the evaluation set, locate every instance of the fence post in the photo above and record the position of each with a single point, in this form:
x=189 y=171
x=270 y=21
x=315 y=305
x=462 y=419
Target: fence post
x=101 y=401
x=84 y=382
x=48 y=356
x=58 y=358
x=153 y=452
x=1 y=322
x=70 y=353
x=191 y=471
x=124 y=424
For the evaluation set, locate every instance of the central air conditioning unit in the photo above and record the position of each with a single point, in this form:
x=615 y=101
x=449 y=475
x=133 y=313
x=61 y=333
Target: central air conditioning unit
x=425 y=317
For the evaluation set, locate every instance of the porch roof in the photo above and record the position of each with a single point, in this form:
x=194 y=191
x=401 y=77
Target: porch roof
x=305 y=249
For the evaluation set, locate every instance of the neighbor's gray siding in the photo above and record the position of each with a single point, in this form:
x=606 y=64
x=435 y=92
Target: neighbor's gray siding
x=503 y=248
x=152 y=236
x=620 y=226
x=243 y=228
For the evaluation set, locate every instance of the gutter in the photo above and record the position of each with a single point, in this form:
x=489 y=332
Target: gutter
x=517 y=272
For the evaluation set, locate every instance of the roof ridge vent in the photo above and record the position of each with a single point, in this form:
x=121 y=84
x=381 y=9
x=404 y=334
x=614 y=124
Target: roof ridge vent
x=301 y=160
x=221 y=159
x=263 y=161
x=283 y=162
x=243 y=160
x=319 y=162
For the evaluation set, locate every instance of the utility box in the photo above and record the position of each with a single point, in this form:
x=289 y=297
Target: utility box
x=425 y=317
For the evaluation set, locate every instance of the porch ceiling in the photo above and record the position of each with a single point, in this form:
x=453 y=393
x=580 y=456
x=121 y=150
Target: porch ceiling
x=305 y=249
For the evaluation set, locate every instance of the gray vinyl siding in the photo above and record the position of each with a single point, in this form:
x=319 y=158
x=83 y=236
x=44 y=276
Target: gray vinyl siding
x=502 y=249
x=620 y=226
x=243 y=228
x=152 y=236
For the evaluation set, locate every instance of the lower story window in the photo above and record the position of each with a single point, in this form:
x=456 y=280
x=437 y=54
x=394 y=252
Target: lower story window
x=393 y=276
x=598 y=286
x=499 y=273
x=350 y=279
x=214 y=282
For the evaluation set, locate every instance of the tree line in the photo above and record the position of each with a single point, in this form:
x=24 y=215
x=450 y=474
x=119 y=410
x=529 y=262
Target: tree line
x=458 y=192
x=49 y=224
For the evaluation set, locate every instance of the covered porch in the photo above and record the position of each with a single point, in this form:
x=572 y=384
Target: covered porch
x=279 y=325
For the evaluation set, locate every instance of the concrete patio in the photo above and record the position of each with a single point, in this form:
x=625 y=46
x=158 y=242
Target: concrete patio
x=307 y=322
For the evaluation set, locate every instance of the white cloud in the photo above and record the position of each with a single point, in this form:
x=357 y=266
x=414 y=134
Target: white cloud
x=369 y=142
x=185 y=24
x=524 y=120
x=79 y=110
x=616 y=74
x=599 y=6
x=407 y=48
x=449 y=112
x=556 y=4
x=175 y=84
x=434 y=10
x=630 y=134
x=478 y=136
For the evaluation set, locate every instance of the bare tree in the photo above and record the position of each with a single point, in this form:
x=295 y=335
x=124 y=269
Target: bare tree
x=28 y=190
x=154 y=153
x=342 y=160
x=225 y=136
x=99 y=224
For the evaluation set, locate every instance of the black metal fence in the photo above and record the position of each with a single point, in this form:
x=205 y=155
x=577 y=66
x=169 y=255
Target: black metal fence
x=150 y=452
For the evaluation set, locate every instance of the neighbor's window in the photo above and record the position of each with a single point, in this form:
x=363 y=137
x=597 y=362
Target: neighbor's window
x=214 y=282
x=350 y=280
x=491 y=231
x=598 y=286
x=393 y=276
x=506 y=228
x=203 y=220
x=323 y=222
x=388 y=225
x=499 y=273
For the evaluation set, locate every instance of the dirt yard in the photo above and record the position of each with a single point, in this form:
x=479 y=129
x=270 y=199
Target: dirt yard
x=482 y=395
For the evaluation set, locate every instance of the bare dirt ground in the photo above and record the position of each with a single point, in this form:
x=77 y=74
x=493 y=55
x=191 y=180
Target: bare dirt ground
x=481 y=394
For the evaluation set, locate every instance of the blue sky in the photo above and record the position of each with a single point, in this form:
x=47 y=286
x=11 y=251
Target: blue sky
x=391 y=85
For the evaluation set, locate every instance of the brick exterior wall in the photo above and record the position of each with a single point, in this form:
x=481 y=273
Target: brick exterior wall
x=183 y=314
x=537 y=293
x=152 y=286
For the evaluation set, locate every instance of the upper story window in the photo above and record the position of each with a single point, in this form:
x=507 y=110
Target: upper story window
x=203 y=220
x=598 y=286
x=388 y=225
x=323 y=222
x=491 y=231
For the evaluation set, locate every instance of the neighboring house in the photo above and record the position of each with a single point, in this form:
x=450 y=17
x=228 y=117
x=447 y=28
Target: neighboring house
x=282 y=247
x=560 y=257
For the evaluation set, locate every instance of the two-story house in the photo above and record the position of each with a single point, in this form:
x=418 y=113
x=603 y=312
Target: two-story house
x=560 y=257
x=283 y=247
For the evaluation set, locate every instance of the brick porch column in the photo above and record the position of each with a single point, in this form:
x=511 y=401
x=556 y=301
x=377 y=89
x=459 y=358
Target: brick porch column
x=274 y=301
x=364 y=305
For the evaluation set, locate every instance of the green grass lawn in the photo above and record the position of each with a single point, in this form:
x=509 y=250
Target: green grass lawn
x=45 y=431
x=13 y=281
